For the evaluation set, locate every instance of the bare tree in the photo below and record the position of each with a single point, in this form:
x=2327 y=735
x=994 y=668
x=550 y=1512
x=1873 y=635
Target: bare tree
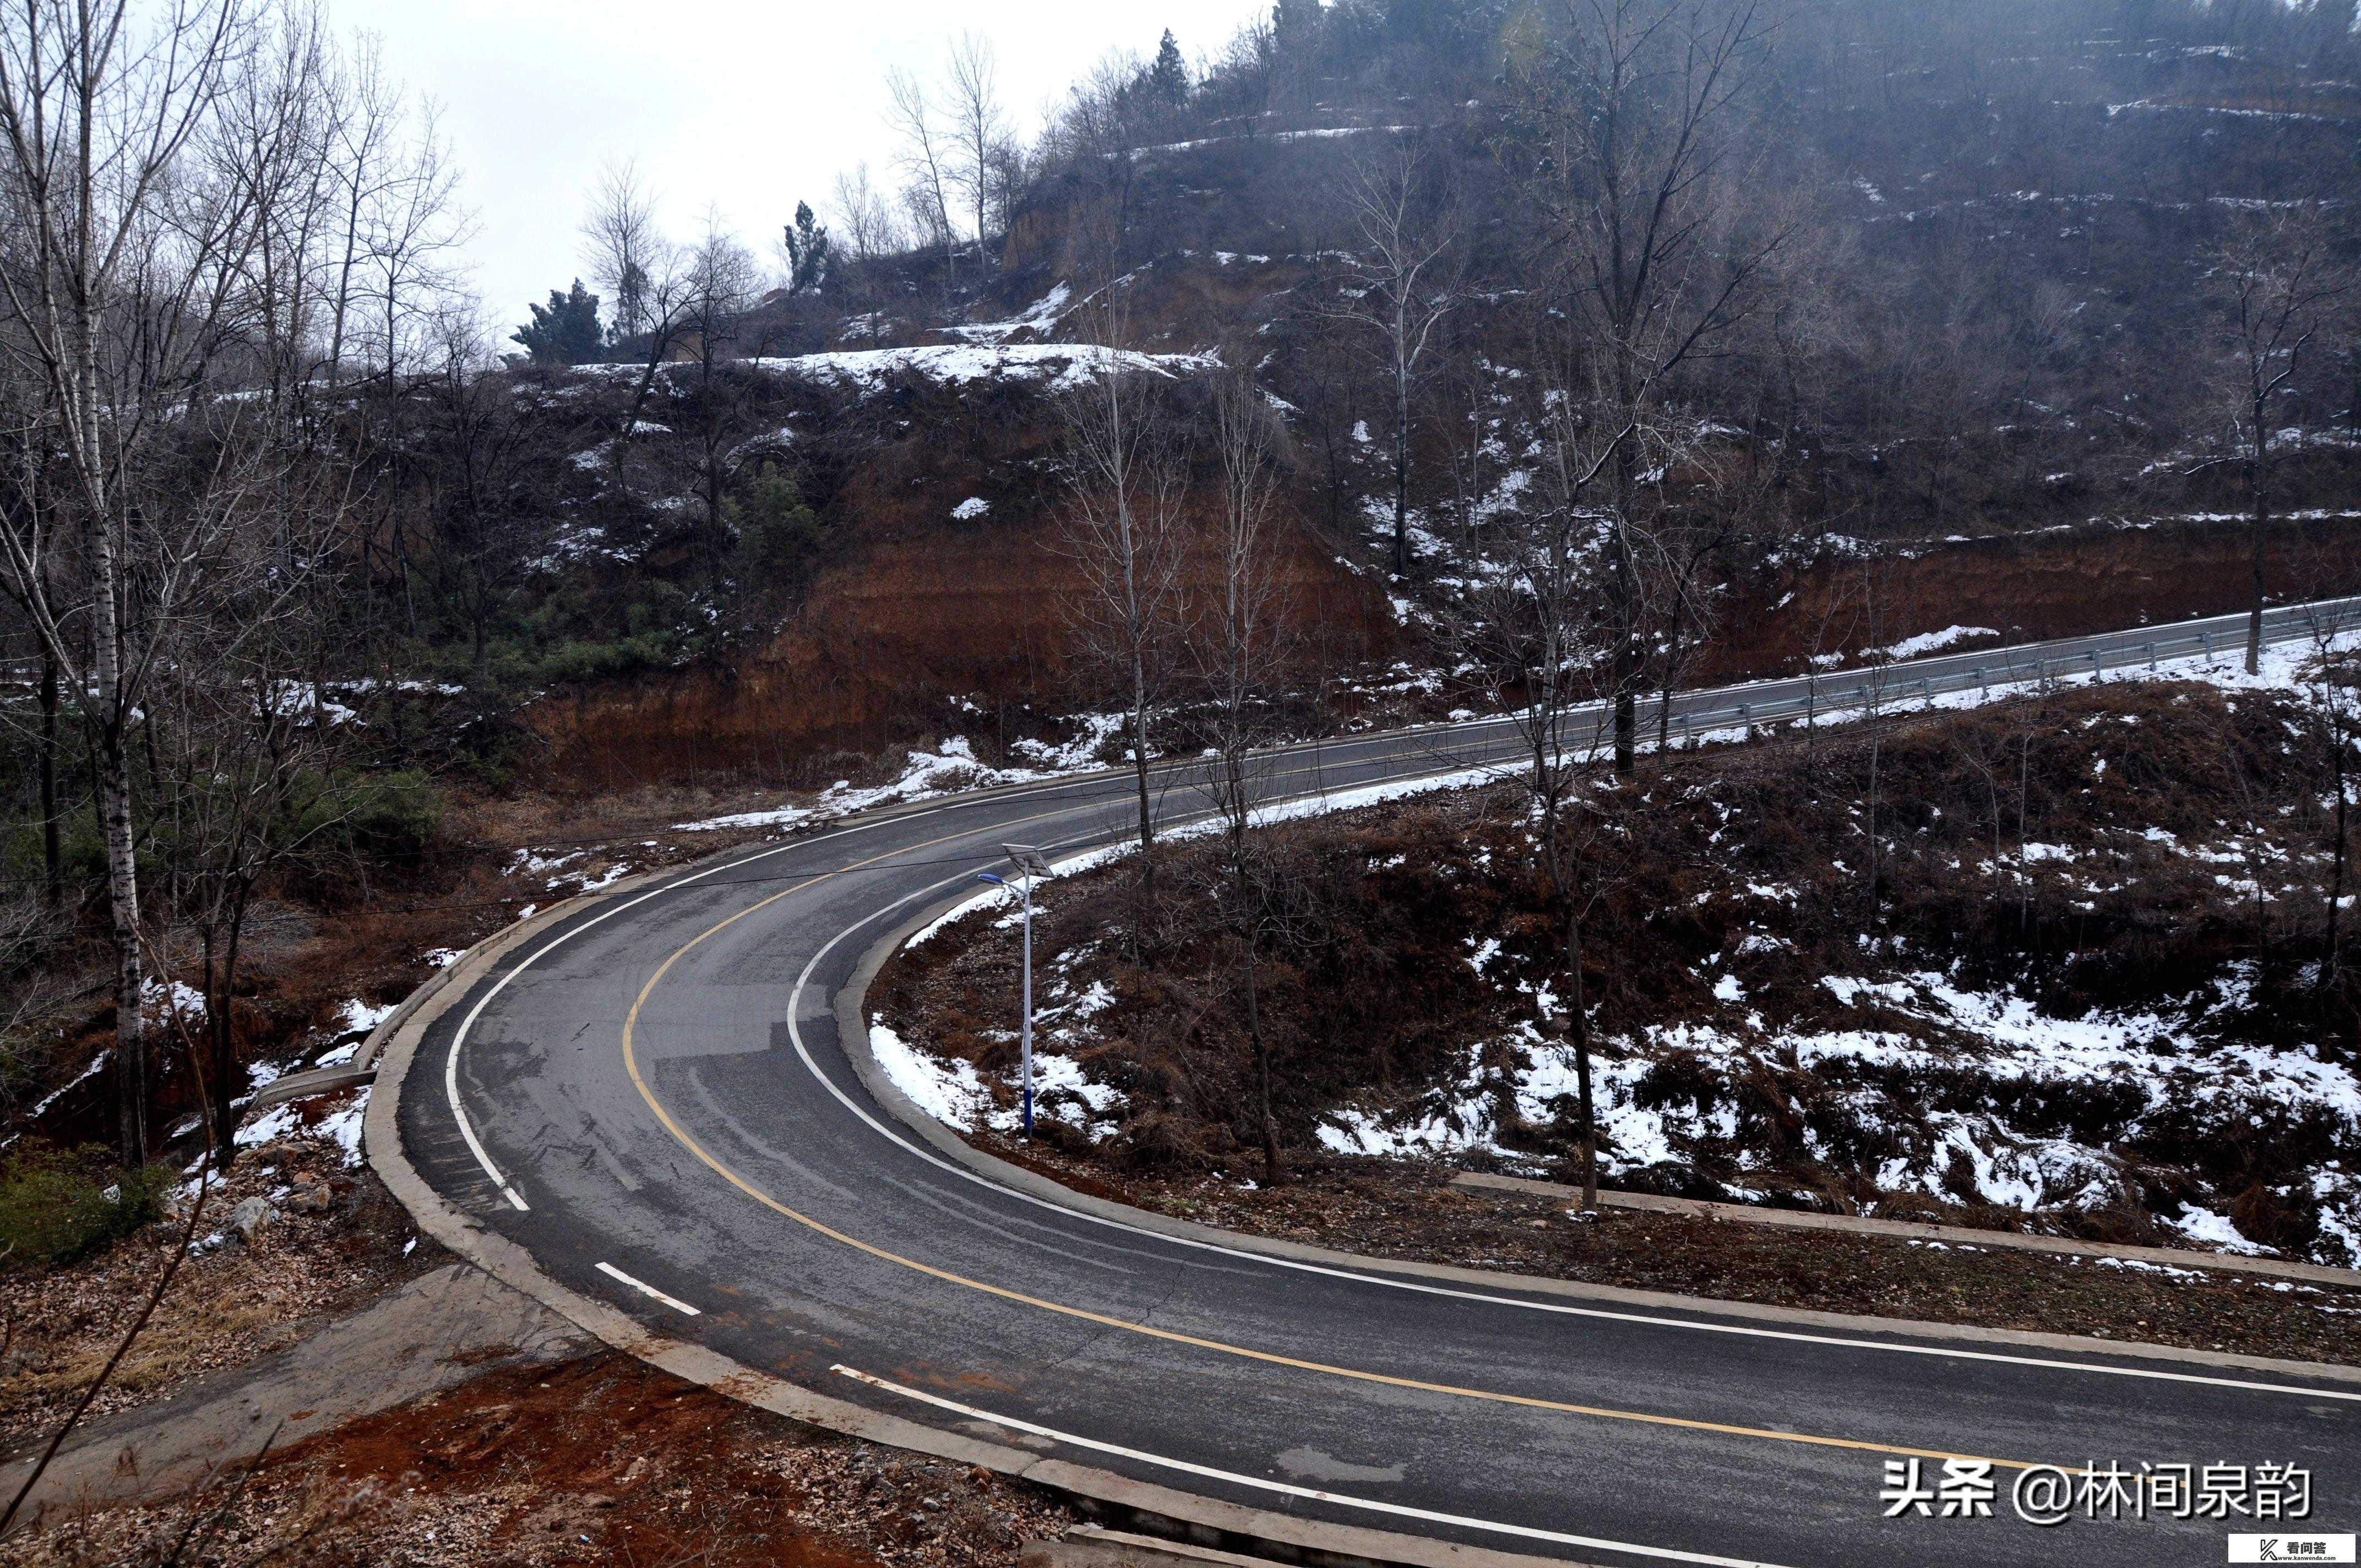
x=2335 y=696
x=628 y=255
x=648 y=279
x=1545 y=636
x=868 y=229
x=1121 y=528
x=2278 y=280
x=117 y=297
x=367 y=128
x=1239 y=647
x=1624 y=136
x=252 y=740
x=864 y=218
x=396 y=190
x=274 y=133
x=925 y=158
x=979 y=129
x=719 y=279
x=1402 y=282
x=475 y=442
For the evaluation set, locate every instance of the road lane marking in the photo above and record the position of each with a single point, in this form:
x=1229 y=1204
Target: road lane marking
x=645 y=1288
x=1310 y=757
x=1528 y=1401
x=1374 y=1504
x=794 y=1034
x=466 y=1024
x=451 y=1092
x=682 y=1136
x=1311 y=761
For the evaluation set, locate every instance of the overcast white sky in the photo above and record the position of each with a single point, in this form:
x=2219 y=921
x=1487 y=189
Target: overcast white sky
x=738 y=103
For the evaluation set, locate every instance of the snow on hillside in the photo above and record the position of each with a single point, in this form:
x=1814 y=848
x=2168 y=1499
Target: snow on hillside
x=2168 y=1059
x=2155 y=1055
x=1062 y=365
x=1039 y=316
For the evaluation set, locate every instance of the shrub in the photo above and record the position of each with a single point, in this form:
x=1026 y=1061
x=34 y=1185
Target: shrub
x=57 y=1206
x=396 y=815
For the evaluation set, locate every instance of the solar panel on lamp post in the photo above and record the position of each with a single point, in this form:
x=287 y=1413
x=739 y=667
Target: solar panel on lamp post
x=1030 y=863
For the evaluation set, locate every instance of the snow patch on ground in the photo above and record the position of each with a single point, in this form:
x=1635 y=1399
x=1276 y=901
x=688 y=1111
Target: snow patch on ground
x=949 y=1091
x=1935 y=641
x=96 y=1066
x=1061 y=365
x=952 y=1092
x=2001 y=1036
x=344 y=1125
x=1037 y=317
x=950 y=769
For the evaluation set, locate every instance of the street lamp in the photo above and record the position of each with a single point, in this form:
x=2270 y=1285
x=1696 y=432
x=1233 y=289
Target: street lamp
x=1030 y=863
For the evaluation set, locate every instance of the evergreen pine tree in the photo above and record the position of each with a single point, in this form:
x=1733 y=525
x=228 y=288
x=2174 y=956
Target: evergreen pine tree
x=630 y=306
x=776 y=529
x=1167 y=79
x=809 y=252
x=565 y=331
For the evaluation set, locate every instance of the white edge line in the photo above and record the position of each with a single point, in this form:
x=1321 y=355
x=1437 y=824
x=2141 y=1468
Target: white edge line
x=645 y=1288
x=1791 y=1336
x=1401 y=1510
x=466 y=1025
x=796 y=1033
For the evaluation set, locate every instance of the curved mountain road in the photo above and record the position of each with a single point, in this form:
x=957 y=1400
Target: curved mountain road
x=653 y=1101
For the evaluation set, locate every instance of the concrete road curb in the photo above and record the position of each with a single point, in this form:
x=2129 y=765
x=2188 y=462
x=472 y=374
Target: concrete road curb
x=1914 y=1230
x=1162 y=1510
x=853 y=1029
x=1207 y=1521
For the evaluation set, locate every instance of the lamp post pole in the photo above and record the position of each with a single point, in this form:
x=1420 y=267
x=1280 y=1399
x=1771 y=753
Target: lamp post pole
x=1025 y=1030
x=1029 y=862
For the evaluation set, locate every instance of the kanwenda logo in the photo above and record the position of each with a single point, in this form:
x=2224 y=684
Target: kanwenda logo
x=2292 y=1549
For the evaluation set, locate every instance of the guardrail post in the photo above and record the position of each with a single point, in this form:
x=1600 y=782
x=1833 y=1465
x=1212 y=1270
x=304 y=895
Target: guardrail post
x=2151 y=658
x=2098 y=671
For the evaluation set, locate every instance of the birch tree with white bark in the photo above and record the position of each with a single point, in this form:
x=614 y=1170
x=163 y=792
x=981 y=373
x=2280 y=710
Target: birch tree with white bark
x=116 y=286
x=1401 y=283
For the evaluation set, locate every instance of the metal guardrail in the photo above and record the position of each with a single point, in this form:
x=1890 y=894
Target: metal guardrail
x=1855 y=691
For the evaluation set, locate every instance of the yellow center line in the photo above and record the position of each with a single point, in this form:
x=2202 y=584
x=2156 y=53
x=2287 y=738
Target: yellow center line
x=630 y=1063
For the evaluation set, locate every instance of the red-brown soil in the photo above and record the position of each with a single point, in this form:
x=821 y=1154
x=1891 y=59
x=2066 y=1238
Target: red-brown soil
x=919 y=615
x=601 y=1460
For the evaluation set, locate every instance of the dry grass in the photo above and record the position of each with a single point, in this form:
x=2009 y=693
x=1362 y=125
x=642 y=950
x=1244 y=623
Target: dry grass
x=229 y=1305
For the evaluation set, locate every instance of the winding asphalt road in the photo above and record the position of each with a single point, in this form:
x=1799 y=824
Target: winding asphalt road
x=652 y=1100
